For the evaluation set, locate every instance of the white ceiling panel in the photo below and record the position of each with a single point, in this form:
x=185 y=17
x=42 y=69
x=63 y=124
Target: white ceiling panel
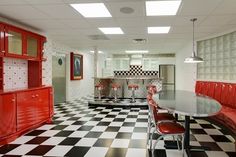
x=43 y=1
x=226 y=7
x=76 y=23
x=160 y=21
x=59 y=11
x=131 y=21
x=12 y=2
x=102 y=22
x=198 y=7
x=19 y=12
x=217 y=20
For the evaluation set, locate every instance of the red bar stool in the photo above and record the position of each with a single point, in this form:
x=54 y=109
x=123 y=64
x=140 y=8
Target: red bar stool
x=133 y=87
x=99 y=88
x=115 y=87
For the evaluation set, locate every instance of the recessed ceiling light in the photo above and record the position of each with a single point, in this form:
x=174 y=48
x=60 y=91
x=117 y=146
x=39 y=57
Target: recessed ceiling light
x=160 y=8
x=112 y=30
x=136 y=51
x=92 y=9
x=158 y=30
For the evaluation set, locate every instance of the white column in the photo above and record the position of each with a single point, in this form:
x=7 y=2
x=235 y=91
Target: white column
x=95 y=61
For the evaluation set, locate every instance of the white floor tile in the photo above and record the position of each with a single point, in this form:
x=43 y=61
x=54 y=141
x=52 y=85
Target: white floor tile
x=126 y=129
x=50 y=133
x=96 y=152
x=85 y=118
x=99 y=128
x=213 y=132
x=216 y=154
x=139 y=136
x=91 y=123
x=130 y=120
x=22 y=150
x=107 y=119
x=53 y=141
x=58 y=151
x=46 y=127
x=79 y=134
x=204 y=138
x=120 y=143
x=86 y=142
x=116 y=124
x=108 y=135
x=141 y=124
x=227 y=146
x=22 y=139
x=132 y=152
x=174 y=153
x=68 y=122
x=72 y=127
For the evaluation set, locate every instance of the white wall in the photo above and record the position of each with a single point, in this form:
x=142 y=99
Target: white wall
x=185 y=72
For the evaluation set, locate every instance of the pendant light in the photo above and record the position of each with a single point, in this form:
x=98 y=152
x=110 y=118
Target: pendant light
x=193 y=58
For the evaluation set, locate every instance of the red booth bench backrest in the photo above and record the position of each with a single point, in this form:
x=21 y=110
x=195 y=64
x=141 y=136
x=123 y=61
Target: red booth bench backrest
x=225 y=93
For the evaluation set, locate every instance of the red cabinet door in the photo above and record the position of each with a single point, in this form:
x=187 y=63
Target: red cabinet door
x=26 y=109
x=51 y=104
x=7 y=114
x=42 y=104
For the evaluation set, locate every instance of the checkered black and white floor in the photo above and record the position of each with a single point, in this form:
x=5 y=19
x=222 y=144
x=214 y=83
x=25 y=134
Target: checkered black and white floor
x=79 y=130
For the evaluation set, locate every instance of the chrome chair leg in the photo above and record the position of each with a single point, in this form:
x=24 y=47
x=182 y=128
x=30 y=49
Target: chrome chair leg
x=182 y=145
x=177 y=140
x=154 y=146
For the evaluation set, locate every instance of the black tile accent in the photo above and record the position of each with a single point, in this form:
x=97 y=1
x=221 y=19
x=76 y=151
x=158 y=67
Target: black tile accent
x=64 y=133
x=128 y=124
x=35 y=133
x=198 y=131
x=79 y=123
x=207 y=126
x=220 y=138
x=85 y=128
x=198 y=154
x=211 y=145
x=59 y=127
x=103 y=124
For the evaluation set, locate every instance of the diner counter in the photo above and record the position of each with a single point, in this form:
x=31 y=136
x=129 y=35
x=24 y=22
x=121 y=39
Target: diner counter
x=124 y=81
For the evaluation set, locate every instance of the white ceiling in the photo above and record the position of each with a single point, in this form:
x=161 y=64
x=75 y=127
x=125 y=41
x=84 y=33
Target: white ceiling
x=62 y=23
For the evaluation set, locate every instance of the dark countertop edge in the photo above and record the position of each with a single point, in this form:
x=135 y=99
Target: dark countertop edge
x=22 y=89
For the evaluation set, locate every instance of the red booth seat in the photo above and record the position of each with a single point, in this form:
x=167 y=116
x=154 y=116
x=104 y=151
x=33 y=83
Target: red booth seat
x=225 y=93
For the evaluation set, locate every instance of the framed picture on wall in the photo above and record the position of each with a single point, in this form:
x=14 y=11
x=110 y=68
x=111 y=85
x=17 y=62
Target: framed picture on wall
x=76 y=66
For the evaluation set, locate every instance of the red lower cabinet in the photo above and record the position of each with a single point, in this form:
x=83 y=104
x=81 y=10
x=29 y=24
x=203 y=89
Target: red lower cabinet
x=26 y=109
x=42 y=104
x=7 y=114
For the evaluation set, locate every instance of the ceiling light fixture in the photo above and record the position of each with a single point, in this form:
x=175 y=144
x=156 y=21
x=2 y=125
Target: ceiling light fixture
x=193 y=58
x=98 y=51
x=161 y=8
x=158 y=30
x=111 y=30
x=136 y=51
x=92 y=9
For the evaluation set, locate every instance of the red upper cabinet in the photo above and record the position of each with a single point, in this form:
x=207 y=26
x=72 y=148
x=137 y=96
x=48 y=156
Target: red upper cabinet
x=2 y=46
x=33 y=47
x=14 y=42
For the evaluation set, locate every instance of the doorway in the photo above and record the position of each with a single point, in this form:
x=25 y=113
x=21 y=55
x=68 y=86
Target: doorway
x=59 y=78
x=167 y=73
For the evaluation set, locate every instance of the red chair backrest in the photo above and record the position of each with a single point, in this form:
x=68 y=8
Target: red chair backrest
x=198 y=87
x=218 y=91
x=211 y=89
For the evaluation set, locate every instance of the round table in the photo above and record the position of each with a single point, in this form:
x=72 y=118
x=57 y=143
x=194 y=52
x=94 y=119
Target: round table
x=188 y=104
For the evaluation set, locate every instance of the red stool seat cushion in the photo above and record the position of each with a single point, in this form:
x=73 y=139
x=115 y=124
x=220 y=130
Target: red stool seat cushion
x=170 y=128
x=114 y=85
x=134 y=86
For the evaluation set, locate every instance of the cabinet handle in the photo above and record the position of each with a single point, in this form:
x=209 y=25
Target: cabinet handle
x=33 y=96
x=36 y=95
x=3 y=51
x=13 y=100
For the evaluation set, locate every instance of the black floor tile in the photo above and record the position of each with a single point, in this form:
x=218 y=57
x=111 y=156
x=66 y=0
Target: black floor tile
x=220 y=138
x=103 y=124
x=79 y=123
x=59 y=127
x=103 y=143
x=7 y=148
x=37 y=140
x=122 y=135
x=112 y=129
x=119 y=120
x=231 y=154
x=92 y=134
x=63 y=133
x=207 y=126
x=69 y=141
x=211 y=145
x=40 y=150
x=140 y=129
x=85 y=128
x=138 y=144
x=116 y=152
x=198 y=154
x=142 y=120
x=35 y=133
x=110 y=116
x=132 y=116
x=198 y=131
x=157 y=153
x=95 y=119
x=77 y=152
x=128 y=124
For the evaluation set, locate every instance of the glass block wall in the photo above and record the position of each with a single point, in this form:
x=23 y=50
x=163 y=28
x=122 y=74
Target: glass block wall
x=219 y=56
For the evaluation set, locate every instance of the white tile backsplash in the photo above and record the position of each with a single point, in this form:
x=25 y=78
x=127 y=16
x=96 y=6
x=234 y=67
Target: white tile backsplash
x=15 y=73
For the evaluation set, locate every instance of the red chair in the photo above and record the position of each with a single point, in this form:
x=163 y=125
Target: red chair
x=166 y=128
x=211 y=89
x=198 y=87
